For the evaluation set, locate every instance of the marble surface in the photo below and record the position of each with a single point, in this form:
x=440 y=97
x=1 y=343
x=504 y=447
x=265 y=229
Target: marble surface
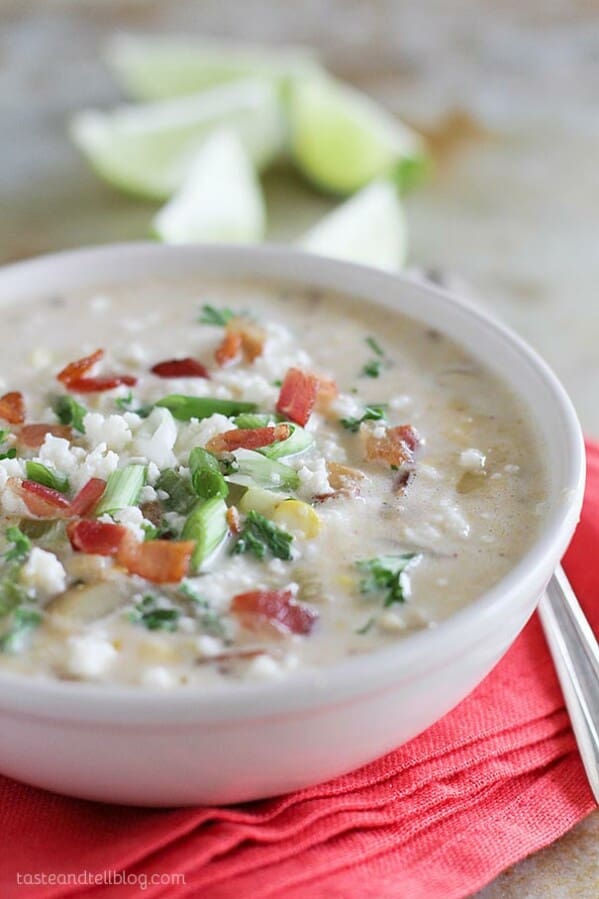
x=505 y=90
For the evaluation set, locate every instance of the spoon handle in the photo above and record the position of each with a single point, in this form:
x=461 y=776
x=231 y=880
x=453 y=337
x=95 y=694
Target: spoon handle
x=576 y=657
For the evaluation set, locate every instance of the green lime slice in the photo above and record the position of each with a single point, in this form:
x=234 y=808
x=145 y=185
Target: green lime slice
x=220 y=200
x=369 y=228
x=155 y=68
x=147 y=149
x=342 y=139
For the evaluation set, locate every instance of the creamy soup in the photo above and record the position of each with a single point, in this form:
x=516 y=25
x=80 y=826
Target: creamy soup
x=204 y=483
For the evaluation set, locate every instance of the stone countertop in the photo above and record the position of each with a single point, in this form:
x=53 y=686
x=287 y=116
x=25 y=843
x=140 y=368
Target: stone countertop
x=507 y=93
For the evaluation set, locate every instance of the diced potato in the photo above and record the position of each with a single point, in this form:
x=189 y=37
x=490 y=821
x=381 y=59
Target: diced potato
x=298 y=517
x=262 y=501
x=86 y=603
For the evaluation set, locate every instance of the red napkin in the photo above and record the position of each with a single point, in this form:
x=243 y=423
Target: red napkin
x=495 y=780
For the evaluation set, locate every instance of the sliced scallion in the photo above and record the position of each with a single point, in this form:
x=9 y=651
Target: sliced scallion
x=181 y=496
x=69 y=412
x=206 y=477
x=122 y=489
x=253 y=420
x=41 y=474
x=207 y=525
x=184 y=408
x=255 y=470
x=298 y=441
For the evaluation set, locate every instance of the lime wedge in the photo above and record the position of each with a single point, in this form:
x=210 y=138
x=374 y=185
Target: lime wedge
x=154 y=68
x=341 y=139
x=147 y=149
x=369 y=228
x=220 y=200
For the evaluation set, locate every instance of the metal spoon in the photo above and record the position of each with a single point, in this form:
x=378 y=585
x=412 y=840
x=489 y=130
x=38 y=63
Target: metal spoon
x=575 y=653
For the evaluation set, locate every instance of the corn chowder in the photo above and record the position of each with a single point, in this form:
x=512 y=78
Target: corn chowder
x=203 y=483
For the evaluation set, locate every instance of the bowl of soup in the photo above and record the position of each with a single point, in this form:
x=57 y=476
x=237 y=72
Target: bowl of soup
x=263 y=516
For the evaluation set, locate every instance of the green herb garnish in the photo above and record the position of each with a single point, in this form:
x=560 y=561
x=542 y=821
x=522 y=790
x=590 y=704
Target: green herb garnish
x=207 y=617
x=260 y=536
x=206 y=478
x=21 y=545
x=41 y=474
x=124 y=402
x=122 y=489
x=366 y=627
x=210 y=315
x=372 y=369
x=371 y=413
x=207 y=525
x=9 y=454
x=24 y=620
x=385 y=574
x=69 y=412
x=152 y=617
x=253 y=469
x=184 y=408
x=374 y=346
x=181 y=495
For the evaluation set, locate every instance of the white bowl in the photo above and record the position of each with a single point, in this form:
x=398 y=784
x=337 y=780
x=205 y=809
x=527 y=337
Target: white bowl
x=185 y=747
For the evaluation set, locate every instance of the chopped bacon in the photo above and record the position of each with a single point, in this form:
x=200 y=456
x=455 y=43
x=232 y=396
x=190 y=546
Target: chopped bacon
x=274 y=608
x=247 y=438
x=75 y=376
x=41 y=501
x=87 y=499
x=396 y=446
x=327 y=392
x=12 y=408
x=98 y=537
x=344 y=480
x=74 y=371
x=229 y=349
x=32 y=436
x=159 y=561
x=180 y=368
x=298 y=395
x=234 y=519
x=99 y=385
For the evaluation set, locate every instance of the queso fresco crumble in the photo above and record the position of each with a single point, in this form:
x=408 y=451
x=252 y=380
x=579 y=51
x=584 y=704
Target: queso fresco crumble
x=202 y=482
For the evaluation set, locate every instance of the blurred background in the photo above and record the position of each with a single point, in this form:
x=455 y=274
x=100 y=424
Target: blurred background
x=507 y=93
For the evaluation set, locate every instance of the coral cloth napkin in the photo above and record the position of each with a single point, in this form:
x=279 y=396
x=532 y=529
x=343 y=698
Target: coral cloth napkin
x=496 y=779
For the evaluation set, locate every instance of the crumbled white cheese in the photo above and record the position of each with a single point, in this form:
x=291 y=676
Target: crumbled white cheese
x=472 y=459
x=314 y=479
x=156 y=438
x=208 y=646
x=43 y=573
x=40 y=358
x=89 y=656
x=403 y=401
x=148 y=494
x=75 y=463
x=158 y=676
x=346 y=406
x=132 y=518
x=264 y=667
x=112 y=430
x=198 y=433
x=250 y=386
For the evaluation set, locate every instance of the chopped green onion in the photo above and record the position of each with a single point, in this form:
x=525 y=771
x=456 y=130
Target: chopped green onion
x=181 y=496
x=208 y=618
x=184 y=408
x=210 y=315
x=259 y=536
x=21 y=545
x=371 y=413
x=122 y=489
x=23 y=621
x=253 y=420
x=12 y=593
x=206 y=478
x=372 y=369
x=69 y=412
x=124 y=402
x=367 y=626
x=375 y=346
x=298 y=441
x=148 y=613
x=386 y=574
x=4 y=434
x=41 y=474
x=255 y=470
x=207 y=525
x=9 y=454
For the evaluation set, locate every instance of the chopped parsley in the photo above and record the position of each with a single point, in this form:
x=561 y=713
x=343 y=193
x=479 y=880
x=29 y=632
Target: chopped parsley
x=69 y=412
x=367 y=627
x=10 y=453
x=24 y=620
x=21 y=545
x=210 y=315
x=371 y=413
x=374 y=346
x=124 y=402
x=181 y=495
x=153 y=617
x=385 y=574
x=373 y=368
x=260 y=536
x=207 y=617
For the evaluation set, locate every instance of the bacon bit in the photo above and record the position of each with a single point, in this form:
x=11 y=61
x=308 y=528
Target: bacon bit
x=12 y=408
x=253 y=337
x=298 y=395
x=229 y=350
x=87 y=499
x=247 y=438
x=234 y=520
x=42 y=502
x=98 y=385
x=74 y=371
x=159 y=561
x=97 y=537
x=396 y=447
x=274 y=608
x=344 y=480
x=152 y=512
x=327 y=392
x=32 y=436
x=180 y=368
